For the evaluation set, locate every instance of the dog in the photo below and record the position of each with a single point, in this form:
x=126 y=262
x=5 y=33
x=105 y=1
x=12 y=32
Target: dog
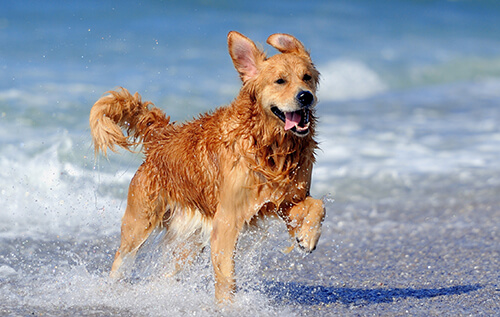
x=205 y=180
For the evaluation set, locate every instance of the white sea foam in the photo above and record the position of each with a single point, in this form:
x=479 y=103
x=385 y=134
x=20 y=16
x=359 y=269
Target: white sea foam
x=60 y=216
x=44 y=195
x=345 y=79
x=49 y=95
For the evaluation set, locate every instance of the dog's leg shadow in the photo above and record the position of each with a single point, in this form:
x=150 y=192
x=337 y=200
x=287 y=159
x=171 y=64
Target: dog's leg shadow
x=298 y=293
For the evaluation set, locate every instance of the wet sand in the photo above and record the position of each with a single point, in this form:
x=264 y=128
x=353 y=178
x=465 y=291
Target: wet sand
x=430 y=249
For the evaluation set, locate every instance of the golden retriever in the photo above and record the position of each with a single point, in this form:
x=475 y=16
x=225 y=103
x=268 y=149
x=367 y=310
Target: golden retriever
x=204 y=180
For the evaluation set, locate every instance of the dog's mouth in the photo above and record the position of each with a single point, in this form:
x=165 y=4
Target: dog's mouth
x=297 y=121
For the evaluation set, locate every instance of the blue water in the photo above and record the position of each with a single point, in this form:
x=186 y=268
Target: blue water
x=410 y=91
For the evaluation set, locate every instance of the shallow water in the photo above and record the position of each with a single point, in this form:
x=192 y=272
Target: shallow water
x=408 y=167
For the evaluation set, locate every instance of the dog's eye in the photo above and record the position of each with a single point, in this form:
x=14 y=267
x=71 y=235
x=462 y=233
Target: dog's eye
x=280 y=81
x=306 y=77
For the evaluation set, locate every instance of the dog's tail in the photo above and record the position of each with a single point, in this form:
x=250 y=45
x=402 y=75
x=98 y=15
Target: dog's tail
x=121 y=110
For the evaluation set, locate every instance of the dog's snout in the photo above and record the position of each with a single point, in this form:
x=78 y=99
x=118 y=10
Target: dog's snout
x=305 y=98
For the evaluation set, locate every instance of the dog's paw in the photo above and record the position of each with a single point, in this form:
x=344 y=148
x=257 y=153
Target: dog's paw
x=308 y=236
x=116 y=275
x=304 y=223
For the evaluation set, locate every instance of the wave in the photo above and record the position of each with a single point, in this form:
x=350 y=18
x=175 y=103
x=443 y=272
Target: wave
x=53 y=190
x=346 y=79
x=458 y=69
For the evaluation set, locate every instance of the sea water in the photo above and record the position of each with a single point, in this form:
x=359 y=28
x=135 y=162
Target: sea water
x=409 y=98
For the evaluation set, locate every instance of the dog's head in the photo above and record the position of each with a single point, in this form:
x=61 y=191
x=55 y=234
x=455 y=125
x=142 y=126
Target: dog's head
x=284 y=84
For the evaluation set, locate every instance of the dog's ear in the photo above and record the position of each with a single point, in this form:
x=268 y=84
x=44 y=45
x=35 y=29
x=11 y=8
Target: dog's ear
x=286 y=43
x=245 y=55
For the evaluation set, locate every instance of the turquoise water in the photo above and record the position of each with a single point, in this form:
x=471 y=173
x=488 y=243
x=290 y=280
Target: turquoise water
x=409 y=98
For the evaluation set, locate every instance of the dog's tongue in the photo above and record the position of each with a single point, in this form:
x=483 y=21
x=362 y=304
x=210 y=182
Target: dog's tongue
x=292 y=119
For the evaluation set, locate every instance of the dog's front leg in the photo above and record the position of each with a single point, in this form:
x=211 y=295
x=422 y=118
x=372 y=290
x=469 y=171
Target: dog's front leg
x=225 y=231
x=304 y=222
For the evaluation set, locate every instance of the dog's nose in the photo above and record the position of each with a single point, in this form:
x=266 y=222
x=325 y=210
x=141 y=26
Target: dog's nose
x=305 y=98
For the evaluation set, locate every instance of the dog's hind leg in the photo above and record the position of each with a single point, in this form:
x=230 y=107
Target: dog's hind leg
x=140 y=219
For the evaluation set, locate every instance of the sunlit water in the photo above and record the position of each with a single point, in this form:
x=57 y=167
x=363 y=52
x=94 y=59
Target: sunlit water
x=409 y=136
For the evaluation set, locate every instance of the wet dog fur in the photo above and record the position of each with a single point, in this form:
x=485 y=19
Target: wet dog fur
x=206 y=179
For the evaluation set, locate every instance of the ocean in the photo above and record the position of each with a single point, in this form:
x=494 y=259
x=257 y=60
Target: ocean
x=408 y=166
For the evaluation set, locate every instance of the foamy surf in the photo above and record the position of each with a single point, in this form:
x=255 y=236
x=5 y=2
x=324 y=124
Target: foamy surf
x=409 y=145
x=349 y=79
x=58 y=275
